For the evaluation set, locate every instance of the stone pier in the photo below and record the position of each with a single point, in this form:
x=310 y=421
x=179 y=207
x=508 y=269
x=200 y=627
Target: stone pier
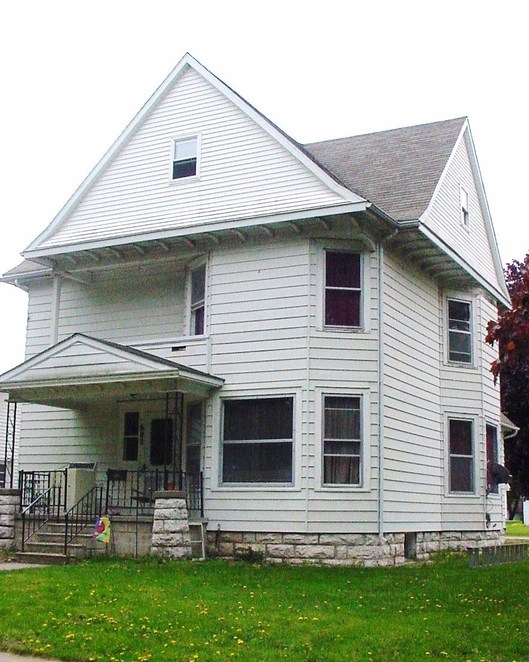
x=170 y=529
x=9 y=505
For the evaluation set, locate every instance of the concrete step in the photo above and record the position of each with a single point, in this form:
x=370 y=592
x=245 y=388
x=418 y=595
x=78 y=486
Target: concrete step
x=46 y=559
x=38 y=547
x=58 y=538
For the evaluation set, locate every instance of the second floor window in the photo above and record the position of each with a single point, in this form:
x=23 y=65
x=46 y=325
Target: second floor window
x=459 y=331
x=342 y=289
x=198 y=300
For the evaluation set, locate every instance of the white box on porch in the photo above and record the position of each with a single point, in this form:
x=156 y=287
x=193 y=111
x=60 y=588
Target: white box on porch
x=80 y=479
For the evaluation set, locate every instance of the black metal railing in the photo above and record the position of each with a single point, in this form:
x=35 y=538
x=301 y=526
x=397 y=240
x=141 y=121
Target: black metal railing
x=82 y=513
x=130 y=492
x=46 y=506
x=34 y=483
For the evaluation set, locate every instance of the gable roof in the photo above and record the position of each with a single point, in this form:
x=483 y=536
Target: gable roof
x=397 y=170
x=81 y=367
x=339 y=198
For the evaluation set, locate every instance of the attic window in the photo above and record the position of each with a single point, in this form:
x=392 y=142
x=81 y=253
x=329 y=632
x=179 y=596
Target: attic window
x=185 y=157
x=464 y=206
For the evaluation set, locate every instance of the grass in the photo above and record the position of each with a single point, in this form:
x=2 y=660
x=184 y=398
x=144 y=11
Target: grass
x=144 y=611
x=517 y=528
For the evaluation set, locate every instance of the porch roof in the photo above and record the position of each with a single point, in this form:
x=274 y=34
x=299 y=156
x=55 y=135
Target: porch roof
x=81 y=369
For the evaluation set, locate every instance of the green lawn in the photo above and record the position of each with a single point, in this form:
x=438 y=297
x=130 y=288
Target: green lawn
x=517 y=528
x=170 y=612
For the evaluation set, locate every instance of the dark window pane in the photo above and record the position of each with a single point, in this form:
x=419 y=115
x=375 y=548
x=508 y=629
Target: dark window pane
x=342 y=418
x=257 y=463
x=460 y=437
x=130 y=449
x=193 y=460
x=342 y=269
x=461 y=474
x=342 y=470
x=198 y=284
x=342 y=308
x=459 y=310
x=132 y=420
x=198 y=321
x=492 y=457
x=266 y=418
x=161 y=441
x=185 y=168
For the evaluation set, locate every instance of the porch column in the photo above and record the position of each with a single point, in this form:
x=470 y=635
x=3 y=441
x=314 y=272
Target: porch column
x=9 y=505
x=170 y=528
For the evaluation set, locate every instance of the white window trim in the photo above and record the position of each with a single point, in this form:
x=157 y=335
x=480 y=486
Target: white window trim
x=217 y=426
x=198 y=262
x=365 y=450
x=365 y=286
x=475 y=494
x=499 y=459
x=176 y=139
x=463 y=298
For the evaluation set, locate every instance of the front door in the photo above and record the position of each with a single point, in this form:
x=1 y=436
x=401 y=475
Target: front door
x=159 y=442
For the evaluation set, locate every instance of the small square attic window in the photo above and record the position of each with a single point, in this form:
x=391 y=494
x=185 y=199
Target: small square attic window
x=185 y=157
x=465 y=214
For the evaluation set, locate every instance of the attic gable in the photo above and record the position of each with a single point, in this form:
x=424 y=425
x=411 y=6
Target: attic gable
x=248 y=169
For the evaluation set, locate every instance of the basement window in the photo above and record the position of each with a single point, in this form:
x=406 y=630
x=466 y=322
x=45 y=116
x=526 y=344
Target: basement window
x=185 y=158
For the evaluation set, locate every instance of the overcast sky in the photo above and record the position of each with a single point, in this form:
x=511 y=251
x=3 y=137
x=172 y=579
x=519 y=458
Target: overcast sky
x=74 y=73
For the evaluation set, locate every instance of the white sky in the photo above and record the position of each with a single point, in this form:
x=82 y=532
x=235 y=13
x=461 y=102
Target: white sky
x=73 y=73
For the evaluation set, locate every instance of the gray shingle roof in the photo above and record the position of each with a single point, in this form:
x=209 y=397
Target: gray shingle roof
x=396 y=170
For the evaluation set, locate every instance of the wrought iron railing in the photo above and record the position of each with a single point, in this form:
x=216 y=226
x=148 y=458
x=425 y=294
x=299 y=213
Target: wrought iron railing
x=46 y=506
x=130 y=492
x=34 y=483
x=83 y=513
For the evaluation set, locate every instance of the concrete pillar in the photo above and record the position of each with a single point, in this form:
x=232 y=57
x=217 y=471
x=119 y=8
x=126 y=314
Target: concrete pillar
x=9 y=505
x=170 y=529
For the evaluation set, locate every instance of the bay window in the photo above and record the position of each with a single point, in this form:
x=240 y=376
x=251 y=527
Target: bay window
x=342 y=440
x=461 y=455
x=343 y=290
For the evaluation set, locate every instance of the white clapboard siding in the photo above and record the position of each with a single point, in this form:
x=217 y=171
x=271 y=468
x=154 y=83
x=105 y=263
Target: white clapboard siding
x=38 y=329
x=444 y=218
x=244 y=173
x=413 y=462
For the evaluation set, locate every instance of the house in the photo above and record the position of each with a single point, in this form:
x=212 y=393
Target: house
x=292 y=335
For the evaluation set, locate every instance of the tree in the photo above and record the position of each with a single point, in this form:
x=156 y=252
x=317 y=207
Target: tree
x=511 y=333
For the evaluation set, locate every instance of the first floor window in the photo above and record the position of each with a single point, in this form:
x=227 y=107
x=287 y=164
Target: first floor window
x=342 y=289
x=461 y=455
x=492 y=458
x=257 y=440
x=131 y=435
x=459 y=331
x=198 y=300
x=341 y=440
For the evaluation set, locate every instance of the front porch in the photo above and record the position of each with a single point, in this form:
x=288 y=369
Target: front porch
x=146 y=514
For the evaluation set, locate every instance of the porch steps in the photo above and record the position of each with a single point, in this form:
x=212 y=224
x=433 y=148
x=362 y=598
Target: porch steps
x=47 y=546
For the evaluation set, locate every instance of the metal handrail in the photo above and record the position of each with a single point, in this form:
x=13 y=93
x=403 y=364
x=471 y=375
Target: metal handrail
x=30 y=514
x=82 y=513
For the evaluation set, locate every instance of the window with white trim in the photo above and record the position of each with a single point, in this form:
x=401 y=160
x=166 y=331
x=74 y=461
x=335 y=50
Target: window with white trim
x=257 y=440
x=197 y=300
x=459 y=331
x=492 y=458
x=185 y=157
x=461 y=455
x=342 y=440
x=465 y=213
x=343 y=289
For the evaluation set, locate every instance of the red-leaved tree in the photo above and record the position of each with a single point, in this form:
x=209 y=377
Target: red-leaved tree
x=511 y=333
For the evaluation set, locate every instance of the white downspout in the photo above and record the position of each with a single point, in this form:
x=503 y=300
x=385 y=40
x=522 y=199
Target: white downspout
x=381 y=375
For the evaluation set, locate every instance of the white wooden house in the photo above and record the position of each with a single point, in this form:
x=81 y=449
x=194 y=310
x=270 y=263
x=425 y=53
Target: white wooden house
x=301 y=325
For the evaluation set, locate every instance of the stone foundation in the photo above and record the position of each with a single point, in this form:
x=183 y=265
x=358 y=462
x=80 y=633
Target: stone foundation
x=342 y=549
x=9 y=505
x=170 y=528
